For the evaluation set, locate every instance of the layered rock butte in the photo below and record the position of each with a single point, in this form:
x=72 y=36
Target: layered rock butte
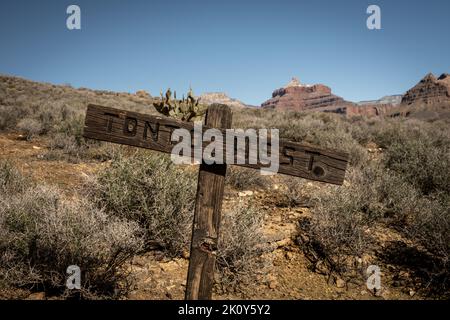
x=429 y=91
x=300 y=97
x=318 y=97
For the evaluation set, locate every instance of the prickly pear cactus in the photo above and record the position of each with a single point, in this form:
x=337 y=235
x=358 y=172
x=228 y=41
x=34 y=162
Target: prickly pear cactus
x=188 y=109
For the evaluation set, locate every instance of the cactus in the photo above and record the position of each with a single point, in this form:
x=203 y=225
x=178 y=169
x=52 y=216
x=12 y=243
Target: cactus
x=188 y=109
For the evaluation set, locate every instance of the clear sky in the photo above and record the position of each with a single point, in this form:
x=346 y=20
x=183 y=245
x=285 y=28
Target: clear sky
x=244 y=48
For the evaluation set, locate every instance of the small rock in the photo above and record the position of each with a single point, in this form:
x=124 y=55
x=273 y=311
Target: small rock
x=185 y=254
x=412 y=293
x=289 y=255
x=36 y=296
x=320 y=267
x=283 y=243
x=37 y=148
x=404 y=274
x=273 y=284
x=340 y=283
x=385 y=293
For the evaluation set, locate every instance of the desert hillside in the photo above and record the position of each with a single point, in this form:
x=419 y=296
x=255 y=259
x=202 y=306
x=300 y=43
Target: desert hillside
x=124 y=215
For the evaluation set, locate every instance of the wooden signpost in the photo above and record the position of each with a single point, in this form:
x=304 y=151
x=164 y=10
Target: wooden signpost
x=154 y=132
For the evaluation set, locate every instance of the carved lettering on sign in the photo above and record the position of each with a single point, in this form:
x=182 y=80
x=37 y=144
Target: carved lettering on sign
x=146 y=131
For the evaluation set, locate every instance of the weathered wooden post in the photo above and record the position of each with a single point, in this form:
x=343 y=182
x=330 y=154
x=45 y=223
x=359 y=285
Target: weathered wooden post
x=208 y=206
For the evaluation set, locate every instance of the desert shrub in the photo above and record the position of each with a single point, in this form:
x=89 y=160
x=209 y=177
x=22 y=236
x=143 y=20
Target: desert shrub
x=337 y=231
x=342 y=217
x=30 y=127
x=41 y=234
x=321 y=129
x=429 y=227
x=63 y=146
x=424 y=162
x=396 y=198
x=102 y=151
x=291 y=193
x=339 y=234
x=11 y=180
x=151 y=190
x=10 y=115
x=382 y=194
x=241 y=244
x=71 y=124
x=245 y=178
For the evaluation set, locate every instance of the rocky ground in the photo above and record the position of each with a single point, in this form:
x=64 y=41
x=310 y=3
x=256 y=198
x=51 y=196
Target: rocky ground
x=289 y=277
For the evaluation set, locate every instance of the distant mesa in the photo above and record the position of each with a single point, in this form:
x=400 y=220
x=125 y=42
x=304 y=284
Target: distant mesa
x=394 y=100
x=209 y=98
x=143 y=94
x=296 y=96
x=429 y=91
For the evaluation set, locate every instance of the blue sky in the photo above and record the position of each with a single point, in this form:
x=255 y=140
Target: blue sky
x=243 y=48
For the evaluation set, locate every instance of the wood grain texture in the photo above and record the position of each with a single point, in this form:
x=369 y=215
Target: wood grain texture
x=208 y=206
x=153 y=132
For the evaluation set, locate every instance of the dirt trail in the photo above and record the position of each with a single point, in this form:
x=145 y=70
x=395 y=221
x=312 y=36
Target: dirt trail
x=28 y=156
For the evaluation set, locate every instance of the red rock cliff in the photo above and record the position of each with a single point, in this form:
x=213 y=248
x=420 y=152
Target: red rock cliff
x=430 y=90
x=298 y=97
